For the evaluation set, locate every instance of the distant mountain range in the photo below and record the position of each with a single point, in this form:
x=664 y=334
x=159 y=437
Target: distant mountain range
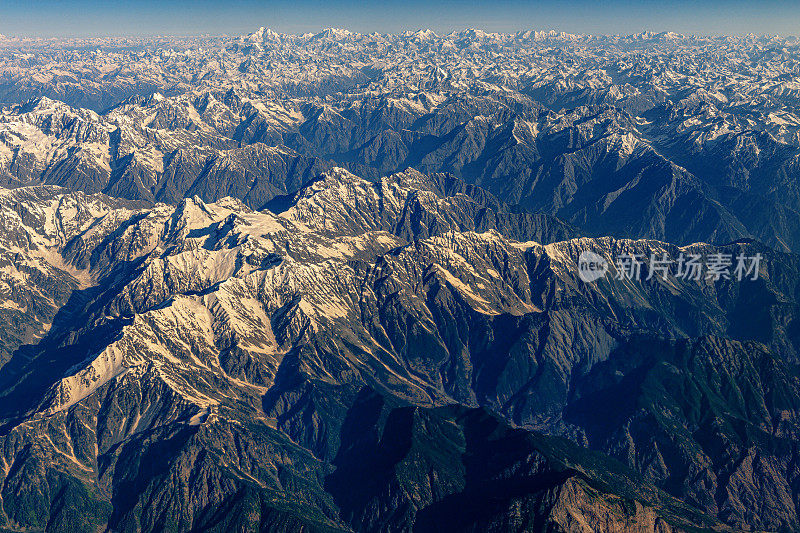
x=329 y=282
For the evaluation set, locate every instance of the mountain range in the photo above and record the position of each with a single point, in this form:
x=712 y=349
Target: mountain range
x=329 y=282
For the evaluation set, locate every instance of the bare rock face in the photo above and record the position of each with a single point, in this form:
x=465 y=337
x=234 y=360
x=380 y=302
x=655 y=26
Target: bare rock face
x=634 y=137
x=330 y=282
x=332 y=365
x=579 y=508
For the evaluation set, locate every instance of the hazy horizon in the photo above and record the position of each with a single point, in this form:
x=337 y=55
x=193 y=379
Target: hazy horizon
x=89 y=18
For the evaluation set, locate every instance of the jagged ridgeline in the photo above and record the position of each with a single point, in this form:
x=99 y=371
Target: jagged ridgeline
x=208 y=366
x=329 y=282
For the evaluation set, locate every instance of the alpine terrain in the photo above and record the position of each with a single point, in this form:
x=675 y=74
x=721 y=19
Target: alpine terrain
x=335 y=282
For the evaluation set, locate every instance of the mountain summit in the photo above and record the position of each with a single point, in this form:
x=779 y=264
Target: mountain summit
x=417 y=282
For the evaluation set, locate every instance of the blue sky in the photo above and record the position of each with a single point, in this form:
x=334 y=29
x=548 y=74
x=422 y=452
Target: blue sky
x=184 y=17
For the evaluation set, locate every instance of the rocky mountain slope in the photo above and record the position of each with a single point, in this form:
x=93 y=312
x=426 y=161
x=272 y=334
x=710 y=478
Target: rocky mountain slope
x=330 y=282
x=302 y=368
x=676 y=138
